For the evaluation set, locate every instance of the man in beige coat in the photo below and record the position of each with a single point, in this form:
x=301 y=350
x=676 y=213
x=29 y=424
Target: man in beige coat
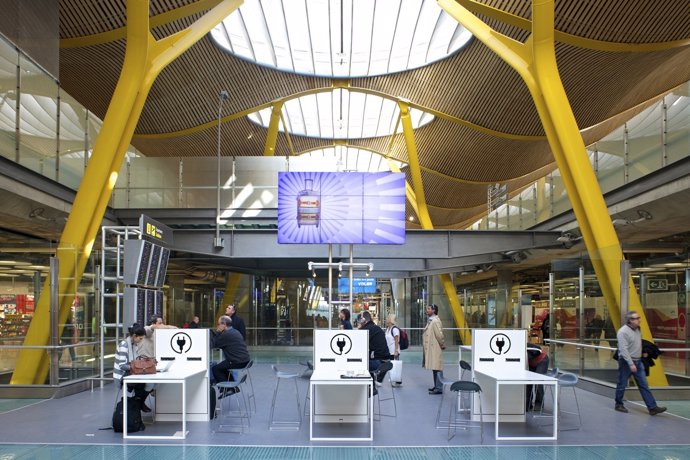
x=433 y=346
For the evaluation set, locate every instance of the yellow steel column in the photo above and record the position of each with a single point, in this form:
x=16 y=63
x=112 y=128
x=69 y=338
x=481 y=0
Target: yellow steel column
x=272 y=136
x=425 y=219
x=145 y=58
x=535 y=61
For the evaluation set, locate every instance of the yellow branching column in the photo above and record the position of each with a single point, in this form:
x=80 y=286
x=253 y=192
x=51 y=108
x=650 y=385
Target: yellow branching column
x=535 y=61
x=425 y=220
x=145 y=58
x=272 y=135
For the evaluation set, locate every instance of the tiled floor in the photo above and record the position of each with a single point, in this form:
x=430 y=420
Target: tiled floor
x=72 y=427
x=343 y=453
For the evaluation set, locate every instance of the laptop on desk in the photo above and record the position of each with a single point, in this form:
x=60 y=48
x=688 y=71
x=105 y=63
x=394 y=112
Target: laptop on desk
x=164 y=366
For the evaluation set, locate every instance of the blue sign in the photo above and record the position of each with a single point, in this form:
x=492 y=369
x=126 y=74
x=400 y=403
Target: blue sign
x=359 y=285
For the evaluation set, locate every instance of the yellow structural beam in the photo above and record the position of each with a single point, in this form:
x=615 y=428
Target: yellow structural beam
x=425 y=219
x=145 y=58
x=535 y=62
x=274 y=124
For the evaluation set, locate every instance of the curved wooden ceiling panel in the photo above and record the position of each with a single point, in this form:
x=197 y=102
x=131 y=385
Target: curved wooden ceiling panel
x=474 y=85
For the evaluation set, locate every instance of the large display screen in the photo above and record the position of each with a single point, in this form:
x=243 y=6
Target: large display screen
x=341 y=208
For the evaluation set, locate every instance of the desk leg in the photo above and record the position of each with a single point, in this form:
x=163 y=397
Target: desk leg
x=498 y=391
x=555 y=410
x=124 y=411
x=371 y=410
x=184 y=408
x=311 y=411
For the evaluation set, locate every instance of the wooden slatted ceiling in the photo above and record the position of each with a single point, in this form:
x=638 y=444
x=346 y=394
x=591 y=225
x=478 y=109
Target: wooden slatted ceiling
x=473 y=85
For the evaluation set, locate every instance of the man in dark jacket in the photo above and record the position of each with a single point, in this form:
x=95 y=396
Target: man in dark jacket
x=237 y=322
x=234 y=349
x=378 y=347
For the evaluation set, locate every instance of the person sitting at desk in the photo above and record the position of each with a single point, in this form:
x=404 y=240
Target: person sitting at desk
x=377 y=345
x=126 y=352
x=234 y=349
x=538 y=361
x=147 y=347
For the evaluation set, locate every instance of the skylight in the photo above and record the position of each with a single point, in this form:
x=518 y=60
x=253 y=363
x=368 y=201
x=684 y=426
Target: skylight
x=342 y=158
x=341 y=38
x=341 y=114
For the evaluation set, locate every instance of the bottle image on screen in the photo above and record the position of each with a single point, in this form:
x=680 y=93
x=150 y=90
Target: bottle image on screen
x=308 y=205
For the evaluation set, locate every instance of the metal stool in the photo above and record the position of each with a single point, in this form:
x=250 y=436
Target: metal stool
x=445 y=382
x=465 y=367
x=306 y=374
x=470 y=388
x=227 y=390
x=284 y=424
x=379 y=375
x=250 y=394
x=569 y=380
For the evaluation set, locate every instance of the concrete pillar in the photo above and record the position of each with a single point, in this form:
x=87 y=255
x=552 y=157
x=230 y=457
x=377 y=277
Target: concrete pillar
x=176 y=308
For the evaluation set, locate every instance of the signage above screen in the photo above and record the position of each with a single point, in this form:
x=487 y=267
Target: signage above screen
x=341 y=208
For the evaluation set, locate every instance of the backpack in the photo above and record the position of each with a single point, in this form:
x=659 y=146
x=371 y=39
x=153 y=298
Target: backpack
x=403 y=340
x=134 y=421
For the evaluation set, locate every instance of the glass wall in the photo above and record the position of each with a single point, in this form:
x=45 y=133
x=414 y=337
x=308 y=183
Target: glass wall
x=580 y=324
x=24 y=282
x=653 y=139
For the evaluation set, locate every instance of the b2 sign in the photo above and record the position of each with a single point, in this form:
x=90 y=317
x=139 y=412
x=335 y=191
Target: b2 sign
x=341 y=208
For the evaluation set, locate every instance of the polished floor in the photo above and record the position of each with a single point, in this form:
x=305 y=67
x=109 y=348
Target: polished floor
x=77 y=426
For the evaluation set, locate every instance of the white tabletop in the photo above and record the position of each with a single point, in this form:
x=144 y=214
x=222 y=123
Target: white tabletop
x=334 y=375
x=172 y=374
x=515 y=375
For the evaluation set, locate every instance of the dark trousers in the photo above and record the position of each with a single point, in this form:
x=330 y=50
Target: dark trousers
x=540 y=368
x=139 y=390
x=437 y=382
x=221 y=371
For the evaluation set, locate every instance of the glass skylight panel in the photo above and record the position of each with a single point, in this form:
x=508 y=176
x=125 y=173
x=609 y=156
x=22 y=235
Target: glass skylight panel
x=344 y=158
x=259 y=37
x=341 y=38
x=341 y=114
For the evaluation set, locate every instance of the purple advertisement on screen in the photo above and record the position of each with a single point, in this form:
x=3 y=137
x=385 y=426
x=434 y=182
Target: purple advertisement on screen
x=341 y=208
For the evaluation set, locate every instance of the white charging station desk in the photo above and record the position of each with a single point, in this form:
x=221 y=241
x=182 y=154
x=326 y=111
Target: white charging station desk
x=182 y=391
x=341 y=409
x=499 y=366
x=180 y=384
x=521 y=378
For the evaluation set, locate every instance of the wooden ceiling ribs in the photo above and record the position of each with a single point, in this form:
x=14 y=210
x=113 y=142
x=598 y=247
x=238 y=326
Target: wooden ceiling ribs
x=604 y=89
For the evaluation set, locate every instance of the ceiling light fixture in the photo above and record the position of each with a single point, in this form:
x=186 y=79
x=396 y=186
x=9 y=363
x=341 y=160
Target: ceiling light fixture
x=568 y=239
x=643 y=215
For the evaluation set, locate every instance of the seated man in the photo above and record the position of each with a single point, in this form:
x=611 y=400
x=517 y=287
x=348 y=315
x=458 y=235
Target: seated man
x=378 y=347
x=234 y=349
x=538 y=361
